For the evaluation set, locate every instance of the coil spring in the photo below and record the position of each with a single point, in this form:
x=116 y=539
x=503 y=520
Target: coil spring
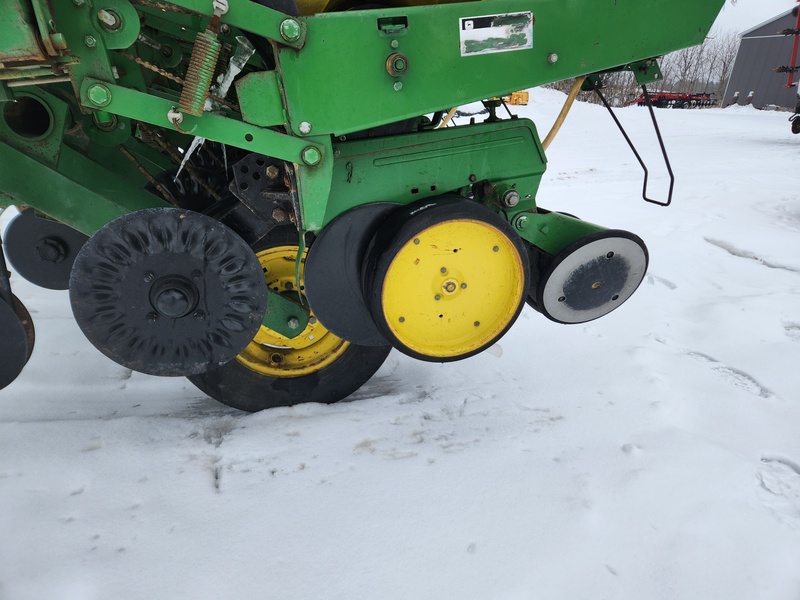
x=200 y=74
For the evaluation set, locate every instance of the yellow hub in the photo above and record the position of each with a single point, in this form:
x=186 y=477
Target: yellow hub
x=453 y=289
x=275 y=355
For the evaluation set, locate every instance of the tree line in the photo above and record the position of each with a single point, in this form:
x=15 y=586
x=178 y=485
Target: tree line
x=703 y=69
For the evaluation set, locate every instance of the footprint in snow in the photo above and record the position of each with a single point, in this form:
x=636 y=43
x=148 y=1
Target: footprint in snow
x=793 y=331
x=732 y=375
x=655 y=279
x=779 y=487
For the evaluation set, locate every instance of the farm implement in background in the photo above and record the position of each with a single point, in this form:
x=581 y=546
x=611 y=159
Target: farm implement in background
x=260 y=195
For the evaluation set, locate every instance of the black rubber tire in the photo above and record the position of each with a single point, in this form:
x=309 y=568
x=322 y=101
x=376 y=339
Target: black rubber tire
x=237 y=386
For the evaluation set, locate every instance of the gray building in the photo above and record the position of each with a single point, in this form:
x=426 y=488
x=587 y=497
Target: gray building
x=762 y=50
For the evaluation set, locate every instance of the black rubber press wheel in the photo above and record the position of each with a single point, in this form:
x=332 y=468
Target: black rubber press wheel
x=273 y=370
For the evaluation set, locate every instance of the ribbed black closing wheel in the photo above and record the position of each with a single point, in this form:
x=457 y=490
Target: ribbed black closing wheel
x=590 y=277
x=445 y=278
x=16 y=340
x=167 y=291
x=273 y=370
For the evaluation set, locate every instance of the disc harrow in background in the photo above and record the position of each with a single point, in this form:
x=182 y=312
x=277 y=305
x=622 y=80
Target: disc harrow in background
x=168 y=292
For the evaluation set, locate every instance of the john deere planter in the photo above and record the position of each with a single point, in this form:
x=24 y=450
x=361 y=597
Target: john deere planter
x=266 y=197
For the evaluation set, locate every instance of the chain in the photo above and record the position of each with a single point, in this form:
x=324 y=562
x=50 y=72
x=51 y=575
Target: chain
x=156 y=69
x=161 y=189
x=166 y=6
x=175 y=156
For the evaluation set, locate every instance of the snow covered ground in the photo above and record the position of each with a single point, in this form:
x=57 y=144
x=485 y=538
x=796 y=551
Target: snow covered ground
x=652 y=454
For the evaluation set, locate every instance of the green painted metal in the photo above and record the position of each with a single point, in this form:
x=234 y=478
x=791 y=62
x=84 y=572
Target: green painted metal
x=587 y=36
x=415 y=166
x=552 y=231
x=318 y=80
x=151 y=109
x=285 y=316
x=18 y=24
x=78 y=192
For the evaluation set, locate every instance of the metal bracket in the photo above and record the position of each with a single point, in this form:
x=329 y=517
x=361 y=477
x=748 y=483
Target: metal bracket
x=633 y=148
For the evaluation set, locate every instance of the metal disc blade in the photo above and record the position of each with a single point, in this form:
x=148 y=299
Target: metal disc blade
x=42 y=251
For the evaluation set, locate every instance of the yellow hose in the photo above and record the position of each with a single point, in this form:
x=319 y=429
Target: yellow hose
x=573 y=93
x=448 y=118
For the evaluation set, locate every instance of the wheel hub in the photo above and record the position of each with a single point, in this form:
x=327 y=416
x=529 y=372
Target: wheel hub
x=174 y=296
x=168 y=292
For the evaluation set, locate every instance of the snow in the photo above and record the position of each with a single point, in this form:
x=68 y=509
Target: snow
x=652 y=454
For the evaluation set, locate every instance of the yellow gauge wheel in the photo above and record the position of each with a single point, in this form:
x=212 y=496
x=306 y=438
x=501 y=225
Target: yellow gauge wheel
x=275 y=355
x=450 y=283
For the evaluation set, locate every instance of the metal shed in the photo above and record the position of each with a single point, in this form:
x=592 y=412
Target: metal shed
x=763 y=49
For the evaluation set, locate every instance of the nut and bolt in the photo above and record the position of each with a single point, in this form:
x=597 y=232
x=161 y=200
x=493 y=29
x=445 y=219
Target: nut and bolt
x=394 y=44
x=278 y=215
x=397 y=86
x=99 y=95
x=305 y=127
x=109 y=19
x=397 y=64
x=90 y=41
x=293 y=323
x=224 y=29
x=522 y=223
x=311 y=156
x=449 y=287
x=272 y=171
x=552 y=58
x=511 y=198
x=290 y=30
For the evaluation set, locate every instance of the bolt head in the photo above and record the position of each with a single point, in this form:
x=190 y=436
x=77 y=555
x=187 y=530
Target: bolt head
x=90 y=41
x=293 y=323
x=290 y=30
x=397 y=86
x=511 y=198
x=305 y=127
x=552 y=58
x=522 y=223
x=311 y=156
x=99 y=95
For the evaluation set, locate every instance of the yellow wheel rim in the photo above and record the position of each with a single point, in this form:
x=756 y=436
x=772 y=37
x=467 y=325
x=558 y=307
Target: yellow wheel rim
x=275 y=355
x=453 y=289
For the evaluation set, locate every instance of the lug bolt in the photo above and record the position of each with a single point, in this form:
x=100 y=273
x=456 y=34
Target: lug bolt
x=450 y=287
